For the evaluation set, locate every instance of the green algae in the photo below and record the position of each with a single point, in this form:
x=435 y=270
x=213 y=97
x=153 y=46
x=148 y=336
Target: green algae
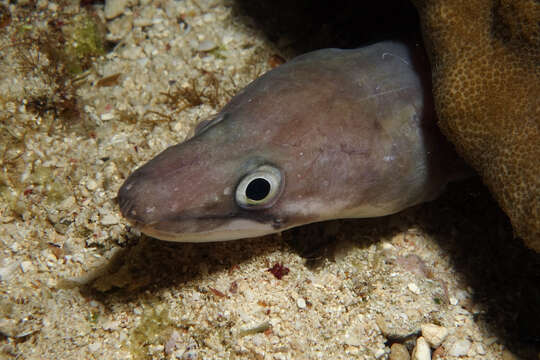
x=84 y=41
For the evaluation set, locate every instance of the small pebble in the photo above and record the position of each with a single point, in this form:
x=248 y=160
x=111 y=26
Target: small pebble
x=421 y=350
x=119 y=28
x=113 y=8
x=301 y=303
x=93 y=347
x=41 y=4
x=67 y=204
x=78 y=258
x=172 y=343
x=156 y=348
x=6 y=271
x=132 y=52
x=480 y=349
x=490 y=340
x=48 y=256
x=390 y=330
x=107 y=116
x=91 y=185
x=379 y=353
x=109 y=219
x=460 y=347
x=206 y=45
x=354 y=336
x=145 y=17
x=386 y=246
x=8 y=327
x=434 y=334
x=26 y=266
x=414 y=288
x=257 y=340
x=399 y=352
x=137 y=311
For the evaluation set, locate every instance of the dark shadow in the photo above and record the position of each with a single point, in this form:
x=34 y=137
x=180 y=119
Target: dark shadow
x=504 y=274
x=305 y=25
x=151 y=264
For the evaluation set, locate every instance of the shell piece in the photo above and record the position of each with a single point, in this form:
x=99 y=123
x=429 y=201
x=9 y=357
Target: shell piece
x=485 y=58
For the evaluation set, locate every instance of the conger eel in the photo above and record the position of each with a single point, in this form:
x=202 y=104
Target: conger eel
x=330 y=134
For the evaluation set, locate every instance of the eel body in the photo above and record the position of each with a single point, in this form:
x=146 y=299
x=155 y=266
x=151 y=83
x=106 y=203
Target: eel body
x=330 y=134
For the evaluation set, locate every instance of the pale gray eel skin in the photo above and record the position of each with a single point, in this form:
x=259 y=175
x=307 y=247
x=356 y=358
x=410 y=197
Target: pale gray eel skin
x=330 y=134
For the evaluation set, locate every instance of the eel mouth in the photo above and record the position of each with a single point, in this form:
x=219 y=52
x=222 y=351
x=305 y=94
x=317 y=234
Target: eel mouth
x=238 y=229
x=207 y=229
x=193 y=228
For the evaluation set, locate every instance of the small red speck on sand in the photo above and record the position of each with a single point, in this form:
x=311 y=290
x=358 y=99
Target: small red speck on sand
x=28 y=191
x=278 y=270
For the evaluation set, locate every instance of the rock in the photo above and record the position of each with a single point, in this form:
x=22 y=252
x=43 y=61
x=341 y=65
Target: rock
x=114 y=8
x=459 y=348
x=486 y=87
x=395 y=331
x=399 y=352
x=421 y=350
x=434 y=334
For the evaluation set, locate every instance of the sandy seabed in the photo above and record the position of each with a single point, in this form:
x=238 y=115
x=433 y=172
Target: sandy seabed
x=76 y=282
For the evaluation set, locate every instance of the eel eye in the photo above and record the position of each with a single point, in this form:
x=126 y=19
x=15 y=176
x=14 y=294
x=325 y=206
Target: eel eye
x=260 y=188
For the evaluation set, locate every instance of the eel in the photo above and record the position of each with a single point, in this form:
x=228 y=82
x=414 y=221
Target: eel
x=330 y=134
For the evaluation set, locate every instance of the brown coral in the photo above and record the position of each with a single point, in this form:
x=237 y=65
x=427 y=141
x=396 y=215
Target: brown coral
x=485 y=58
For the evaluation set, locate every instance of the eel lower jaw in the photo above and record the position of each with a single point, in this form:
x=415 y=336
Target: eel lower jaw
x=237 y=229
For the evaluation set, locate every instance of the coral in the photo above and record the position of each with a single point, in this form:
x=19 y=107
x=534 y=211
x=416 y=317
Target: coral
x=485 y=57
